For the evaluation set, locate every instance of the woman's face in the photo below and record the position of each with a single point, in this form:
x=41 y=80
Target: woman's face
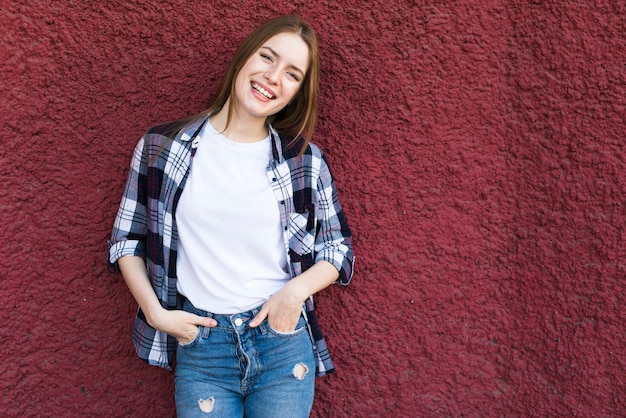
x=272 y=76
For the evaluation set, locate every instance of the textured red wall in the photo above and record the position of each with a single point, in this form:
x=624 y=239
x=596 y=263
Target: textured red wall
x=479 y=151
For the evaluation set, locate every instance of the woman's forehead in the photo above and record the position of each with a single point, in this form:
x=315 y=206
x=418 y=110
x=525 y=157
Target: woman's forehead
x=289 y=47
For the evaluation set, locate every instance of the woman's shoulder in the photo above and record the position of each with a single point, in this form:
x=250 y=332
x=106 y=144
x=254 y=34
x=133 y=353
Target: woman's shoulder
x=168 y=130
x=299 y=148
x=166 y=139
x=181 y=129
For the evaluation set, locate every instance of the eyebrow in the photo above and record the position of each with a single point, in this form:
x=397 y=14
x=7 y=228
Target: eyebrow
x=278 y=56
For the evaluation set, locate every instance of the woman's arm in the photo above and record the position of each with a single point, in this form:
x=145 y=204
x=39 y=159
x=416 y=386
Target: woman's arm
x=179 y=324
x=334 y=259
x=333 y=240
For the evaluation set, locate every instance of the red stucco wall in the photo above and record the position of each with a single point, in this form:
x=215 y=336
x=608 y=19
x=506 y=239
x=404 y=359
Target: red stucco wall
x=479 y=151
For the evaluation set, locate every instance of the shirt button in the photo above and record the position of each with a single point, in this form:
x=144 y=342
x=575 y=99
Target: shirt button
x=238 y=322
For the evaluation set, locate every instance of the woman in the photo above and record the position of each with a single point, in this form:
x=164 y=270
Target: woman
x=228 y=225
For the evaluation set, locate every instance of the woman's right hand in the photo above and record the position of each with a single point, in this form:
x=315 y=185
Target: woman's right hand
x=181 y=325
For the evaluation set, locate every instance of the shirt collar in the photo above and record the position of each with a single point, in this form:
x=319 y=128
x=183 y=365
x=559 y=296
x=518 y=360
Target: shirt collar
x=191 y=131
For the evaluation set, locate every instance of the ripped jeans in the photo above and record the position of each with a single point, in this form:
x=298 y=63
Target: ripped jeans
x=233 y=370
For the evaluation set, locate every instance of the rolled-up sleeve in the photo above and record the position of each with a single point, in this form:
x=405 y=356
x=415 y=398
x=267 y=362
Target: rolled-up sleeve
x=129 y=230
x=333 y=241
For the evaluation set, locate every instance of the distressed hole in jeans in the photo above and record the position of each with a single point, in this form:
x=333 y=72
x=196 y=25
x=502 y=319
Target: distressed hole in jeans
x=206 y=405
x=300 y=370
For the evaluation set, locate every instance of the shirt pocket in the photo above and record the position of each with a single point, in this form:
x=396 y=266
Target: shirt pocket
x=302 y=229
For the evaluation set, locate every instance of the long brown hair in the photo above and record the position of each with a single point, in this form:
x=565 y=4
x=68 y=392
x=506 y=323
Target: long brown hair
x=298 y=118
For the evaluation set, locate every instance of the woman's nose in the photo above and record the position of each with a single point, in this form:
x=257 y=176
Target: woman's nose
x=273 y=75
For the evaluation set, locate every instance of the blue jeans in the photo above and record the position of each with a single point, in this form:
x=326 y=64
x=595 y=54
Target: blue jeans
x=233 y=370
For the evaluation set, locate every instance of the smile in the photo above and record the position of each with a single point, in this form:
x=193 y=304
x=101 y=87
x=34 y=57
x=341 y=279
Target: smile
x=264 y=92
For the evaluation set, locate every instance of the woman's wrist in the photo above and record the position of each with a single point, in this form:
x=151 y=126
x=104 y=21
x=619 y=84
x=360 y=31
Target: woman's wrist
x=318 y=277
x=296 y=290
x=155 y=316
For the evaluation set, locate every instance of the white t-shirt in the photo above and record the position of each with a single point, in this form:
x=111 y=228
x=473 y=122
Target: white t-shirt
x=231 y=253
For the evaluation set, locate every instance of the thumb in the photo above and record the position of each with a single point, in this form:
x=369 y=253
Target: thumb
x=260 y=317
x=202 y=321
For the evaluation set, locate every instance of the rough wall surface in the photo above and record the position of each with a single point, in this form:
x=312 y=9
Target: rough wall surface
x=479 y=151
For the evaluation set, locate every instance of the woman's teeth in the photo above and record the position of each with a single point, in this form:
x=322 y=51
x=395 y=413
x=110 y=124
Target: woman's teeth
x=262 y=91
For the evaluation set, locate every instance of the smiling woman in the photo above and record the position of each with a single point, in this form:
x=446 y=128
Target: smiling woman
x=223 y=259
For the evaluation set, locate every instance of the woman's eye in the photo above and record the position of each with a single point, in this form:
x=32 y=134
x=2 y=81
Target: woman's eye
x=266 y=57
x=293 y=76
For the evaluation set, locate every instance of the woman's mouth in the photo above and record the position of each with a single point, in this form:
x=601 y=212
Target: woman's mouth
x=262 y=91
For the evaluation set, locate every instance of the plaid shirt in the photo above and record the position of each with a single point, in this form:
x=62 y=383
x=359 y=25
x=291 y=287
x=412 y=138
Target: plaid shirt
x=314 y=224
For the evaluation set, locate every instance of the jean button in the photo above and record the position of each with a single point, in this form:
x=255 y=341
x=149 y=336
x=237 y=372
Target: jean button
x=238 y=322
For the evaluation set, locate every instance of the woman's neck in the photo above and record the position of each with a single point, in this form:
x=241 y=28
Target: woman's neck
x=240 y=129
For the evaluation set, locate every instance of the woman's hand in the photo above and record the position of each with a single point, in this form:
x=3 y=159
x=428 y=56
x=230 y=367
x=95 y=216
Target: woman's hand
x=282 y=310
x=181 y=325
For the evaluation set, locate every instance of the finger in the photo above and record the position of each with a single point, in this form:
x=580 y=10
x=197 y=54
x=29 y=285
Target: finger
x=260 y=317
x=287 y=322
x=202 y=321
x=188 y=336
x=283 y=324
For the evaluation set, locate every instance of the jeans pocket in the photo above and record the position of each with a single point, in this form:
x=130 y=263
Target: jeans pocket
x=201 y=331
x=300 y=328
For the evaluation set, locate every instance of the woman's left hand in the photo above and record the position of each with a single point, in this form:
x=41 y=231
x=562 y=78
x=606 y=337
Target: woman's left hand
x=282 y=310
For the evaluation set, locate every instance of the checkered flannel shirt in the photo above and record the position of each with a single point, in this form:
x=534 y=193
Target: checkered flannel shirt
x=314 y=225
